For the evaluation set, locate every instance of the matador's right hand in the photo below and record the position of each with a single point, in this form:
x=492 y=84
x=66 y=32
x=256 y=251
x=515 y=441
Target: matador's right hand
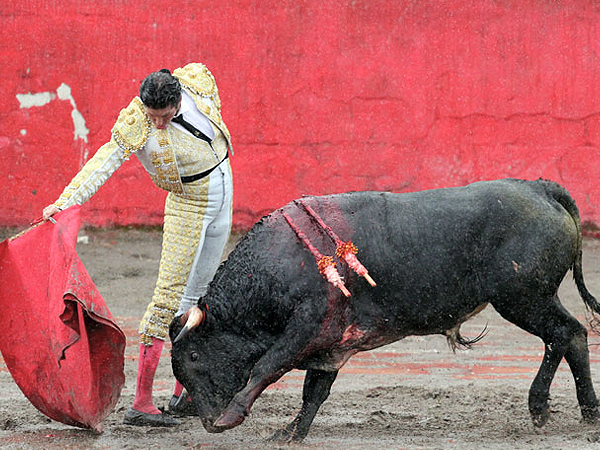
x=49 y=211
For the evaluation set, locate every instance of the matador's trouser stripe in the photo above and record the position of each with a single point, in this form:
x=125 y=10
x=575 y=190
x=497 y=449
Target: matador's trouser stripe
x=196 y=229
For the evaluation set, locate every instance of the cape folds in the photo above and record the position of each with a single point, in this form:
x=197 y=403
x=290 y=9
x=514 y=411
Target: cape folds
x=59 y=340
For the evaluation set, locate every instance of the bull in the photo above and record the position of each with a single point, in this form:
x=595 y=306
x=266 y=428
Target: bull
x=437 y=257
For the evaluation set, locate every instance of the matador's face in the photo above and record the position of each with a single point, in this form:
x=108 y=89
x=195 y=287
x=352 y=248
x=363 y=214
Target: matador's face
x=161 y=117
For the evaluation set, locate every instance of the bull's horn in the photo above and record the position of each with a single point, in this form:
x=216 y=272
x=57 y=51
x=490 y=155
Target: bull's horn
x=195 y=317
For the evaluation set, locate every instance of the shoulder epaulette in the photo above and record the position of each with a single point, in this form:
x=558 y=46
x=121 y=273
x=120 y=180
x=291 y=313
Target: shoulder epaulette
x=197 y=78
x=132 y=128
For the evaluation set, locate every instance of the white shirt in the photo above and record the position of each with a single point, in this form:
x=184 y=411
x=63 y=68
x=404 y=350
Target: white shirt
x=194 y=116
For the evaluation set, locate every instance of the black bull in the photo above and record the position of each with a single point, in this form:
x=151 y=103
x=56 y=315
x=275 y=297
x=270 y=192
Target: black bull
x=437 y=256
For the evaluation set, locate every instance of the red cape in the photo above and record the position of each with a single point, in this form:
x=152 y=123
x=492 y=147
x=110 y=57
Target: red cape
x=59 y=340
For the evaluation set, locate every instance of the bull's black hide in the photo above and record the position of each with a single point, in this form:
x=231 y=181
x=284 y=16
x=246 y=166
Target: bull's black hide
x=437 y=256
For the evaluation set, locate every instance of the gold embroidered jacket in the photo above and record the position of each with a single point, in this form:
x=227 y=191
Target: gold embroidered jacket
x=167 y=154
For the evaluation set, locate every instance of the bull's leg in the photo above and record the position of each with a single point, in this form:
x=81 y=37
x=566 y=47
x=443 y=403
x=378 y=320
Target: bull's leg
x=317 y=385
x=564 y=336
x=539 y=392
x=578 y=358
x=277 y=361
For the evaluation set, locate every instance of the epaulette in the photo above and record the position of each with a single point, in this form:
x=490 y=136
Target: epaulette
x=197 y=78
x=132 y=128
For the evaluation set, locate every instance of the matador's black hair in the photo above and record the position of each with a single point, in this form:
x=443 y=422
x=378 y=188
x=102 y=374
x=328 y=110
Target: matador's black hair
x=160 y=90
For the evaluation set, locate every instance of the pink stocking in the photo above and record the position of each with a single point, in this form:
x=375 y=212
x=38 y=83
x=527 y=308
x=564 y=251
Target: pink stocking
x=149 y=358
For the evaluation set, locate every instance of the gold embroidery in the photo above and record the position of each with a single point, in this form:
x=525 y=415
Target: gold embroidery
x=132 y=128
x=197 y=79
x=169 y=159
x=165 y=164
x=182 y=230
x=162 y=139
x=193 y=154
x=92 y=175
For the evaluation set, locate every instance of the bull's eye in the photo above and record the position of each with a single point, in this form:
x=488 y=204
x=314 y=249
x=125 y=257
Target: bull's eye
x=194 y=356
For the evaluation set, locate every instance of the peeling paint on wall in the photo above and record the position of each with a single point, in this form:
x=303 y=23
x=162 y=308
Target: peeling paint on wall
x=31 y=100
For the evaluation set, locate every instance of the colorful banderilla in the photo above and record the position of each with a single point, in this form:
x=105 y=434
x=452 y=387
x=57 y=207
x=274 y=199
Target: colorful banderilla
x=324 y=263
x=344 y=250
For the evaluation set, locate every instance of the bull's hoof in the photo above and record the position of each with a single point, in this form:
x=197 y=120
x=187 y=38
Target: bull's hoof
x=541 y=418
x=294 y=432
x=590 y=414
x=283 y=436
x=229 y=419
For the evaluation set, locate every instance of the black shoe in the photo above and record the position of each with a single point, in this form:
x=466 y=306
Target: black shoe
x=133 y=417
x=182 y=406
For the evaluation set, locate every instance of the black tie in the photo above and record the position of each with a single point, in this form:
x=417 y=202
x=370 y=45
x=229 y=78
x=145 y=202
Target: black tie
x=191 y=128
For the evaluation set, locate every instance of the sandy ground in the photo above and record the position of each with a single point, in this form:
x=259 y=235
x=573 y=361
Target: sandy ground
x=413 y=394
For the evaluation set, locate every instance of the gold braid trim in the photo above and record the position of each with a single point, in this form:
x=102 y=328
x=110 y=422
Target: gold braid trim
x=182 y=231
x=132 y=128
x=92 y=175
x=198 y=80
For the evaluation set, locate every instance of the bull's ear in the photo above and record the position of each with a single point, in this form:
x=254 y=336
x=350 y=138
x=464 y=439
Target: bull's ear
x=191 y=319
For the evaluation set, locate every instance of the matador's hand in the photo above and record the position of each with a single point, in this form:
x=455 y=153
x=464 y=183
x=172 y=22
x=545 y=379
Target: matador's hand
x=49 y=211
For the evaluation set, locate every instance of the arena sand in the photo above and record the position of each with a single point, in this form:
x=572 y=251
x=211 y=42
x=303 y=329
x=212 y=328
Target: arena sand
x=413 y=394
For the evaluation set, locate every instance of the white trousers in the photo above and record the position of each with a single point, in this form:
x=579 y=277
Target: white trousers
x=216 y=227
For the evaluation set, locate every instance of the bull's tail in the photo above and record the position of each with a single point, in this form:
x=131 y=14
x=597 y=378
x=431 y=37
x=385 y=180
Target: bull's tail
x=560 y=194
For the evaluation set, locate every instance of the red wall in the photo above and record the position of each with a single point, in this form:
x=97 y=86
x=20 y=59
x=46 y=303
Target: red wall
x=320 y=95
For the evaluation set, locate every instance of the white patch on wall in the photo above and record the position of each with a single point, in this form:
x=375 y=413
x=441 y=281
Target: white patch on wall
x=39 y=99
x=31 y=100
